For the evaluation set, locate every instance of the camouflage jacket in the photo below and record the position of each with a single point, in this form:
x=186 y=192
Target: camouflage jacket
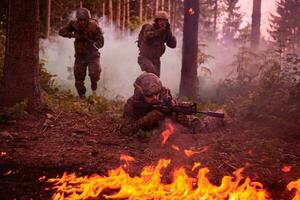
x=92 y=35
x=152 y=39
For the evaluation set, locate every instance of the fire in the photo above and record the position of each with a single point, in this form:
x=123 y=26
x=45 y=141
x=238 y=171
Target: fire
x=167 y=133
x=175 y=147
x=190 y=153
x=2 y=154
x=126 y=158
x=286 y=169
x=191 y=11
x=295 y=185
x=149 y=185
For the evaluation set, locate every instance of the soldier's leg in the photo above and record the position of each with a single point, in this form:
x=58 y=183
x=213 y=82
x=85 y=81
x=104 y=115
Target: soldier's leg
x=146 y=65
x=94 y=72
x=80 y=73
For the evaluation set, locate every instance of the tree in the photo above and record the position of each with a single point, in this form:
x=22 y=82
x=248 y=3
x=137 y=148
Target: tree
x=232 y=21
x=188 y=82
x=21 y=67
x=255 y=26
x=141 y=11
x=110 y=6
x=48 y=18
x=285 y=26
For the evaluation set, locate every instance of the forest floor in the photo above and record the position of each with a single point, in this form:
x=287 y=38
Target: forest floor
x=50 y=143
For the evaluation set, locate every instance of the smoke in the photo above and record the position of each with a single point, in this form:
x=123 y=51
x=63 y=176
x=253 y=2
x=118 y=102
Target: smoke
x=118 y=62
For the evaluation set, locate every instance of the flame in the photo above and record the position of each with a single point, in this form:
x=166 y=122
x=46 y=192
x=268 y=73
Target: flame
x=286 y=169
x=190 y=153
x=126 y=158
x=175 y=147
x=295 y=185
x=191 y=11
x=149 y=185
x=167 y=133
x=2 y=154
x=197 y=164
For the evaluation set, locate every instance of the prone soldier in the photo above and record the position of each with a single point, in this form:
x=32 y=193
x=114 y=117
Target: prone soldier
x=151 y=103
x=88 y=40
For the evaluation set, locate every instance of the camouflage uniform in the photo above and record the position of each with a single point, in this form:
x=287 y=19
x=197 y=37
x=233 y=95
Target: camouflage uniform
x=137 y=113
x=151 y=44
x=86 y=52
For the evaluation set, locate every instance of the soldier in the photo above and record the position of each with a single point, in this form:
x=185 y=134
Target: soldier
x=140 y=112
x=151 y=43
x=88 y=40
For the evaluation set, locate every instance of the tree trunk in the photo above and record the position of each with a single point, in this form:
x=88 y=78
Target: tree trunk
x=255 y=27
x=141 y=11
x=21 y=67
x=110 y=4
x=169 y=7
x=173 y=15
x=188 y=82
x=215 y=18
x=128 y=12
x=118 y=15
x=80 y=4
x=156 y=7
x=162 y=5
x=103 y=8
x=124 y=15
x=48 y=18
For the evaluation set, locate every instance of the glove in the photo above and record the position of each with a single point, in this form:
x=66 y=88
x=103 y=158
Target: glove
x=182 y=119
x=151 y=118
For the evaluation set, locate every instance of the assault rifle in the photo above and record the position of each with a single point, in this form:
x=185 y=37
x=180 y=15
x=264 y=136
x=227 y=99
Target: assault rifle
x=186 y=108
x=81 y=34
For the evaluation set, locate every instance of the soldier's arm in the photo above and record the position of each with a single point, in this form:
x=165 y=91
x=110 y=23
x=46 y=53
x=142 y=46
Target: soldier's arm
x=67 y=31
x=150 y=33
x=99 y=39
x=171 y=39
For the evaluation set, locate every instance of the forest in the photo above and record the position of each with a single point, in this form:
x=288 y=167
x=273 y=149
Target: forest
x=70 y=69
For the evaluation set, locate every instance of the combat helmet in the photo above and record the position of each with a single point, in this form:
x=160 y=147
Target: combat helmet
x=83 y=14
x=147 y=84
x=162 y=15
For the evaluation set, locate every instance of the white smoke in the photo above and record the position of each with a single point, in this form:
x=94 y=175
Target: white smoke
x=118 y=62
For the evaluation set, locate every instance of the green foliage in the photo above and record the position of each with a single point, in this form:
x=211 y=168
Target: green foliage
x=47 y=80
x=92 y=105
x=285 y=27
x=273 y=93
x=15 y=112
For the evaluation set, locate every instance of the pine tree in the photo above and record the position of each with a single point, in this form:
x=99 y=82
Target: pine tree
x=285 y=24
x=232 y=21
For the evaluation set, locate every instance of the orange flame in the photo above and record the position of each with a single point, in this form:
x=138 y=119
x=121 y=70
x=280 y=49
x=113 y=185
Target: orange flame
x=190 y=153
x=167 y=133
x=175 y=147
x=126 y=158
x=286 y=169
x=149 y=186
x=191 y=11
x=2 y=154
x=295 y=185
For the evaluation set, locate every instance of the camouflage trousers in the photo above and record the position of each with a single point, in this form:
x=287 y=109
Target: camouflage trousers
x=80 y=67
x=150 y=65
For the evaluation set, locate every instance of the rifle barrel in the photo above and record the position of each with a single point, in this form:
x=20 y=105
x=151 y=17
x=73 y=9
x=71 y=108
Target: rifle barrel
x=212 y=114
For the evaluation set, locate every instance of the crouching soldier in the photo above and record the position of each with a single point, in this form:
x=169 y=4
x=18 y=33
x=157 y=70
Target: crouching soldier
x=88 y=40
x=141 y=111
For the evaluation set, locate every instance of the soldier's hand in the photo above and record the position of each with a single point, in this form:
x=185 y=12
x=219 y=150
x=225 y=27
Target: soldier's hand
x=182 y=119
x=75 y=35
x=150 y=118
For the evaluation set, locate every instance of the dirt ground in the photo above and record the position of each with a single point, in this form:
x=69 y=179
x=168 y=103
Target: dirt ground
x=49 y=143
